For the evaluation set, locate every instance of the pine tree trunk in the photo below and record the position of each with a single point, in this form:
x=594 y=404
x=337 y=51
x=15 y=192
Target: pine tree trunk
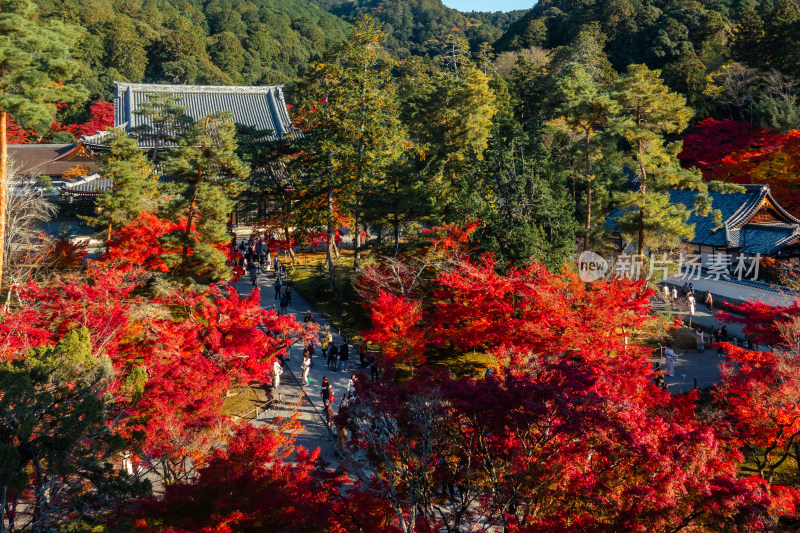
x=356 y=245
x=643 y=188
x=329 y=248
x=643 y=191
x=588 y=195
x=190 y=216
x=3 y=189
x=588 y=216
x=288 y=238
x=396 y=228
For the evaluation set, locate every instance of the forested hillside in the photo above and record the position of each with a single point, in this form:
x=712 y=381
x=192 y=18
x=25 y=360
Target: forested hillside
x=419 y=26
x=248 y=42
x=252 y=42
x=734 y=60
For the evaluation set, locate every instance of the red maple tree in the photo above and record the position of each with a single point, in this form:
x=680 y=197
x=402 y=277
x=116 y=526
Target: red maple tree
x=101 y=116
x=251 y=486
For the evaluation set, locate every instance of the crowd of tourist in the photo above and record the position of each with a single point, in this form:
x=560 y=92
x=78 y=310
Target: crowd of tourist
x=255 y=256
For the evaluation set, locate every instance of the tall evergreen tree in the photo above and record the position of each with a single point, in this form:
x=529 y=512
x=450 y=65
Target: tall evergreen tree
x=452 y=119
x=648 y=112
x=518 y=193
x=273 y=183
x=350 y=110
x=134 y=186
x=207 y=176
x=401 y=197
x=585 y=108
x=34 y=60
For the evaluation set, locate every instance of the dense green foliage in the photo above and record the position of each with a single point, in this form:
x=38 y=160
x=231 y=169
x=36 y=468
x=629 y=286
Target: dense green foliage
x=249 y=42
x=419 y=27
x=134 y=185
x=729 y=59
x=217 y=42
x=491 y=108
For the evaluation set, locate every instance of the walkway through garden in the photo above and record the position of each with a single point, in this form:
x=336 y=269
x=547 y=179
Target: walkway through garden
x=295 y=398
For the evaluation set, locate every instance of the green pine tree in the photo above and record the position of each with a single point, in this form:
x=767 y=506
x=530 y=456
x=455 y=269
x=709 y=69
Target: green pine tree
x=453 y=120
x=56 y=448
x=134 y=185
x=402 y=197
x=584 y=108
x=518 y=192
x=648 y=112
x=350 y=109
x=168 y=122
x=33 y=55
x=207 y=178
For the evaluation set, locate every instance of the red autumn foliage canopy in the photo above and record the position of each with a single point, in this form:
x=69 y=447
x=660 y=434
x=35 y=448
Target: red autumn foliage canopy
x=101 y=117
x=735 y=152
x=175 y=356
x=249 y=486
x=569 y=434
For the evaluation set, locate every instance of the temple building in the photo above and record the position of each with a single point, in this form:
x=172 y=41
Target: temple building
x=263 y=108
x=53 y=160
x=753 y=224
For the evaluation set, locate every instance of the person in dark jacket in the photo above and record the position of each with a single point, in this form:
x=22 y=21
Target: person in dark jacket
x=333 y=353
x=326 y=391
x=344 y=355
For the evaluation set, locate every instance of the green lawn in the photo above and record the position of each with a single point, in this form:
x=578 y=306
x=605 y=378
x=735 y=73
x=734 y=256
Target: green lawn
x=310 y=279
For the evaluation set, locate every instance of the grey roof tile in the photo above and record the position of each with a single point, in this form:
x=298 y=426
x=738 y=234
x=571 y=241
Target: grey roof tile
x=736 y=210
x=261 y=107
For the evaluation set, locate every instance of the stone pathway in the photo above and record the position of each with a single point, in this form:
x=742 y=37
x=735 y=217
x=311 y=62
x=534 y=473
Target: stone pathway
x=704 y=366
x=306 y=399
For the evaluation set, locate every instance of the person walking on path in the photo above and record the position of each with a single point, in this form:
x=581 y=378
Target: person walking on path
x=288 y=295
x=709 y=300
x=691 y=303
x=326 y=391
x=344 y=356
x=285 y=299
x=309 y=318
x=306 y=366
x=372 y=363
x=718 y=340
x=701 y=341
x=670 y=356
x=341 y=441
x=276 y=374
x=324 y=341
x=329 y=416
x=332 y=355
x=675 y=293
x=251 y=269
x=362 y=353
x=277 y=287
x=327 y=400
